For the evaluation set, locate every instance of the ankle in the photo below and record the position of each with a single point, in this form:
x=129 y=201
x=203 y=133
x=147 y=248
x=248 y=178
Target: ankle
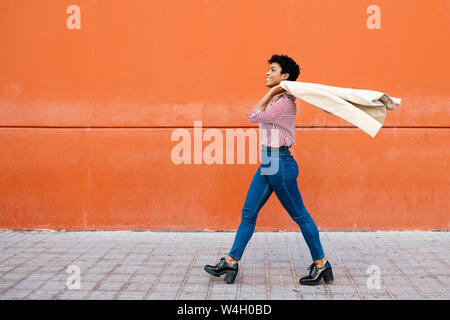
x=230 y=260
x=321 y=262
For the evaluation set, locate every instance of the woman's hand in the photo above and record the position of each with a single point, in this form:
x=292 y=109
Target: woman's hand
x=276 y=90
x=262 y=104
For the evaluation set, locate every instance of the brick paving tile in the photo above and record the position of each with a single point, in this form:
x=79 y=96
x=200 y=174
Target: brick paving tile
x=169 y=265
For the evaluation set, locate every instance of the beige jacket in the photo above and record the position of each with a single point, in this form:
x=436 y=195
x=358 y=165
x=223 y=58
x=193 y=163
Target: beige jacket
x=365 y=109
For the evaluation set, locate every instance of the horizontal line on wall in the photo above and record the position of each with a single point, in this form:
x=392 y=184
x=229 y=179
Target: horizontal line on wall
x=218 y=127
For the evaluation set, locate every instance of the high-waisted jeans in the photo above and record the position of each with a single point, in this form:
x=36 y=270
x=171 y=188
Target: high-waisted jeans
x=278 y=172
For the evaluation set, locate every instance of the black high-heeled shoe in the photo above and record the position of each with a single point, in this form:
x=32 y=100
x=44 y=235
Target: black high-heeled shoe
x=223 y=267
x=317 y=273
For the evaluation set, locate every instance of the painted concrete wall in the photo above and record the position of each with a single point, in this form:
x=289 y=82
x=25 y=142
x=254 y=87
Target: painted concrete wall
x=91 y=93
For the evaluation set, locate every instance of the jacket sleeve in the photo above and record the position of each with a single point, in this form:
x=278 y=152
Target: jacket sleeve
x=274 y=112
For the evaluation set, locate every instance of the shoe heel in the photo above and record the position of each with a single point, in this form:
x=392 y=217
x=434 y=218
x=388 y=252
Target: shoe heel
x=328 y=276
x=231 y=275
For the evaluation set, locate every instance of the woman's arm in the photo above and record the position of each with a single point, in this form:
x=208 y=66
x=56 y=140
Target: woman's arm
x=280 y=107
x=277 y=110
x=262 y=104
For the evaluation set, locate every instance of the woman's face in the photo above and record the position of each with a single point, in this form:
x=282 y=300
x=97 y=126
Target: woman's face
x=274 y=76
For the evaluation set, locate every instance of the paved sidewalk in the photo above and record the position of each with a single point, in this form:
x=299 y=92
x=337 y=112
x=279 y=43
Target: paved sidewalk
x=169 y=265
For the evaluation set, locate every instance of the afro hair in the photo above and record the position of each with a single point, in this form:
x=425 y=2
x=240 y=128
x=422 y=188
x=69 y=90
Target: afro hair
x=288 y=65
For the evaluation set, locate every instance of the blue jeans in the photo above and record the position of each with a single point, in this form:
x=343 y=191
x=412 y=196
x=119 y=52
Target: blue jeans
x=282 y=180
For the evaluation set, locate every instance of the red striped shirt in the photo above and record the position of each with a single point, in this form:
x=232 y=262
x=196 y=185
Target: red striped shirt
x=277 y=121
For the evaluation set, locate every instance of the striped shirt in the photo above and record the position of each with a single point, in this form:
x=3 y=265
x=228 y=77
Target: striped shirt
x=277 y=121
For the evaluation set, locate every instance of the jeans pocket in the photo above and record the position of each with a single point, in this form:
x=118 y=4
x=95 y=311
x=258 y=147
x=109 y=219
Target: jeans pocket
x=294 y=166
x=289 y=168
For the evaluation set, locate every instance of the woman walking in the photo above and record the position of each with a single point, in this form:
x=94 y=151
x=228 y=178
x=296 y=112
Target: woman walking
x=278 y=118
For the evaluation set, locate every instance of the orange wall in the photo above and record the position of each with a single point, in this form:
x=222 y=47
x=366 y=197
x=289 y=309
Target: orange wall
x=86 y=115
